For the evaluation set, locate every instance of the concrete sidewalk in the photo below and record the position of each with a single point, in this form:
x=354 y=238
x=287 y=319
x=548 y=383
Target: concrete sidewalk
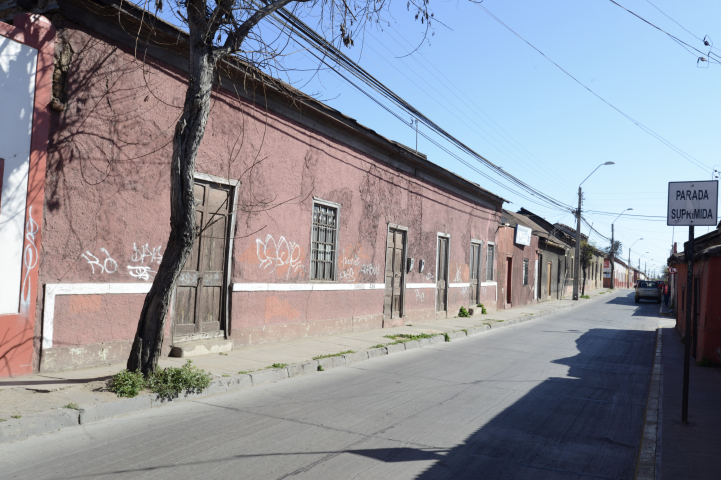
x=36 y=404
x=688 y=451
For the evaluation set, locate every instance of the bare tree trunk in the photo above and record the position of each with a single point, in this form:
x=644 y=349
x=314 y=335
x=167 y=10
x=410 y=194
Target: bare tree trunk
x=189 y=133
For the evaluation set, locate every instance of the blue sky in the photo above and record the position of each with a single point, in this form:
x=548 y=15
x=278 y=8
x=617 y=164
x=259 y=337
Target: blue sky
x=496 y=94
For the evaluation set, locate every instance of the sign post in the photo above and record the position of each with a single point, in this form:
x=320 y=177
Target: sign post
x=690 y=204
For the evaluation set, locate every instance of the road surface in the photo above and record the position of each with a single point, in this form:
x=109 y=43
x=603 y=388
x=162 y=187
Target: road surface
x=561 y=397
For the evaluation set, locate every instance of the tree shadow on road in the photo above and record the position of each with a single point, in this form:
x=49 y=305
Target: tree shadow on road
x=584 y=427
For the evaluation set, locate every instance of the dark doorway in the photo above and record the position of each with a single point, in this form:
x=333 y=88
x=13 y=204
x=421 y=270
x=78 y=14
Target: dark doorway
x=509 y=277
x=475 y=270
x=442 y=272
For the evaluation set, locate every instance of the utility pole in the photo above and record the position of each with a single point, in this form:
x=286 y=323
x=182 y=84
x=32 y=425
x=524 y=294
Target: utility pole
x=613 y=270
x=577 y=261
x=687 y=335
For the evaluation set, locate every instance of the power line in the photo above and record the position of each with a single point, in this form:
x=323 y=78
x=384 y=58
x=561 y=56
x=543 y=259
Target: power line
x=658 y=137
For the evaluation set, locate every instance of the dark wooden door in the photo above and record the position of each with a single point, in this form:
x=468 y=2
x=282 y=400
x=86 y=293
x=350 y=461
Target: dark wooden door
x=442 y=275
x=696 y=313
x=475 y=270
x=509 y=277
x=200 y=290
x=550 y=265
x=395 y=246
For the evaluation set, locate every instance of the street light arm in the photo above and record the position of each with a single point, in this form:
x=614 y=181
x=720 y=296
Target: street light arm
x=594 y=171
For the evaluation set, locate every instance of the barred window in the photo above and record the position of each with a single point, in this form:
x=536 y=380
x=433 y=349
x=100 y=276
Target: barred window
x=525 y=271
x=323 y=242
x=490 y=262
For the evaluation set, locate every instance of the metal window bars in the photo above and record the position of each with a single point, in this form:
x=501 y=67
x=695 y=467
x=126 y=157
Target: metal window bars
x=323 y=243
x=490 y=262
x=525 y=271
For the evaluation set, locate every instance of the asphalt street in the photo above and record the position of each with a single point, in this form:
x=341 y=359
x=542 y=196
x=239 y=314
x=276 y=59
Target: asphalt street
x=561 y=397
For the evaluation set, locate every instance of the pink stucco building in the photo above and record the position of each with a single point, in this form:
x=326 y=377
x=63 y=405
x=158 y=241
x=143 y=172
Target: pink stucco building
x=312 y=223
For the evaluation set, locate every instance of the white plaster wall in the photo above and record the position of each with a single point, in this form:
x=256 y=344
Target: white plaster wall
x=18 y=65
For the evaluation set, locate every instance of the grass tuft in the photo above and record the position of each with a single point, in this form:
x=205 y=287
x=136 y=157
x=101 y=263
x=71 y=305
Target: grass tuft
x=447 y=337
x=277 y=365
x=72 y=406
x=333 y=355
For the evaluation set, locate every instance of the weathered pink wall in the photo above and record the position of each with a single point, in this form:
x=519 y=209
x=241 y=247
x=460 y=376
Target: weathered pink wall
x=505 y=249
x=106 y=206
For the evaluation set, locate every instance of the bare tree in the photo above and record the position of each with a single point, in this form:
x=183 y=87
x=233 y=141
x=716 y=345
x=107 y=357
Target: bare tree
x=220 y=30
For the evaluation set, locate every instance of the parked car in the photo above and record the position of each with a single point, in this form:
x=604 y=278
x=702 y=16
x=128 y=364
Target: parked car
x=648 y=290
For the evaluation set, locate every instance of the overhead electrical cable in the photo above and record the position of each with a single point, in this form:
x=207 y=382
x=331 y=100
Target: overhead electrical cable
x=646 y=129
x=301 y=31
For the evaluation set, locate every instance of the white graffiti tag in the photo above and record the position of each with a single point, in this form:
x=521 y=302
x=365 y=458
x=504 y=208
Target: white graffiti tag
x=348 y=275
x=370 y=269
x=30 y=255
x=419 y=295
x=141 y=272
x=108 y=266
x=458 y=278
x=282 y=253
x=140 y=254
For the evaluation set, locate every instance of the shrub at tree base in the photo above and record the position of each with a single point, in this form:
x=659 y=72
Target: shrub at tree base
x=170 y=382
x=463 y=312
x=167 y=383
x=126 y=383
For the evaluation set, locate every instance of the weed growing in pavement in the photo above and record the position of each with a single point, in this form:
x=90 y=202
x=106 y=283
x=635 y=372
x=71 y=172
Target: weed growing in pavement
x=277 y=365
x=406 y=337
x=226 y=375
x=244 y=372
x=221 y=353
x=126 y=383
x=586 y=297
x=16 y=416
x=3 y=420
x=380 y=345
x=462 y=312
x=71 y=406
x=333 y=355
x=706 y=362
x=320 y=368
x=170 y=382
x=483 y=309
x=464 y=330
x=447 y=337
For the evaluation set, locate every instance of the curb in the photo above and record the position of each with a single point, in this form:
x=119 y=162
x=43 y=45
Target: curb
x=14 y=430
x=646 y=461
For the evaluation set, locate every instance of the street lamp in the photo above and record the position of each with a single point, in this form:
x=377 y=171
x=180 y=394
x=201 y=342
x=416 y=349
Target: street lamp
x=577 y=263
x=629 y=258
x=613 y=268
x=639 y=263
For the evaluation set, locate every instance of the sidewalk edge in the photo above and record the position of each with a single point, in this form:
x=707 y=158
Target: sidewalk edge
x=646 y=460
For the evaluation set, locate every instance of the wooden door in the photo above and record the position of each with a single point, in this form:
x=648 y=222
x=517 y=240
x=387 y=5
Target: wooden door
x=509 y=277
x=550 y=264
x=475 y=272
x=538 y=283
x=442 y=275
x=200 y=290
x=696 y=313
x=395 y=247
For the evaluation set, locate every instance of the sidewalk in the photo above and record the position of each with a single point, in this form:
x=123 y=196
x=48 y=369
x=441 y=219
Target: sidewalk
x=40 y=400
x=688 y=451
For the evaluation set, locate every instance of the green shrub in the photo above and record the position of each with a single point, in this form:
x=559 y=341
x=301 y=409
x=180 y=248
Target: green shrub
x=462 y=312
x=585 y=296
x=126 y=383
x=170 y=382
x=447 y=337
x=278 y=365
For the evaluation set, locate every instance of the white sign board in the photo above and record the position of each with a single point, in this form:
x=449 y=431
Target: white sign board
x=523 y=235
x=692 y=203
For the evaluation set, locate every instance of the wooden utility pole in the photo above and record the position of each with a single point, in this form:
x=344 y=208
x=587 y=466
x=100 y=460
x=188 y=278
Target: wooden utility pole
x=687 y=334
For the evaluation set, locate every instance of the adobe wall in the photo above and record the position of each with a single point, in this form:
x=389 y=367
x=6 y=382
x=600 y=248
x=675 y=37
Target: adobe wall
x=106 y=212
x=506 y=249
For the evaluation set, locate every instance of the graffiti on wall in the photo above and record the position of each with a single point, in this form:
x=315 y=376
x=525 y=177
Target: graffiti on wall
x=279 y=254
x=420 y=296
x=139 y=269
x=350 y=266
x=458 y=278
x=30 y=256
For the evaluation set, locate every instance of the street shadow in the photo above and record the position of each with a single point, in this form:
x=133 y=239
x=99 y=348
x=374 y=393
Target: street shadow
x=584 y=426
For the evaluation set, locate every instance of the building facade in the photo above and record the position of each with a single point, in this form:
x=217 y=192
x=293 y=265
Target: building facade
x=310 y=223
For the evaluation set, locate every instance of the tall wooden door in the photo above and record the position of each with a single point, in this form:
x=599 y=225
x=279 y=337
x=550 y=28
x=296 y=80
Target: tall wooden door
x=538 y=283
x=395 y=248
x=509 y=277
x=200 y=290
x=550 y=265
x=696 y=313
x=475 y=272
x=442 y=275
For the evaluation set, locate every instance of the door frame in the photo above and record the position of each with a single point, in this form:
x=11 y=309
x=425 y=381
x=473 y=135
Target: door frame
x=227 y=287
x=475 y=241
x=394 y=226
x=448 y=266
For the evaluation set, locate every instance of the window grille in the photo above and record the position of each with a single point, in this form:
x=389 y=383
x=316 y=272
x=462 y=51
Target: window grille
x=323 y=243
x=490 y=262
x=525 y=271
